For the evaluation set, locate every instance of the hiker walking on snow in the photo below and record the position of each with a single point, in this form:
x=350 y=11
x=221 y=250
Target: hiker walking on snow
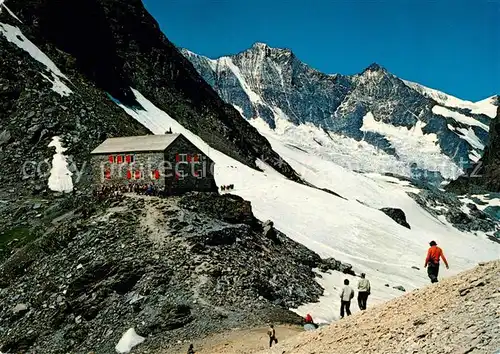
x=272 y=335
x=363 y=291
x=432 y=261
x=345 y=299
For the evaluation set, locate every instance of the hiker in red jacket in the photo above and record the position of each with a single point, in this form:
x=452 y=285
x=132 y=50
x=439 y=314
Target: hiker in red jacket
x=432 y=261
x=309 y=320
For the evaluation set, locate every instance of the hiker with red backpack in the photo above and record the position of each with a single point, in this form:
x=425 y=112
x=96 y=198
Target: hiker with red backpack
x=434 y=254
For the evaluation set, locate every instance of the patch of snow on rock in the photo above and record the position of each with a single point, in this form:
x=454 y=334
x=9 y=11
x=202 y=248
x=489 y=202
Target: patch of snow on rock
x=128 y=341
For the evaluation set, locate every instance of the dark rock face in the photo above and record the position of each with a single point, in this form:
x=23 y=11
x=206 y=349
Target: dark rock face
x=397 y=215
x=123 y=47
x=492 y=157
x=173 y=269
x=485 y=176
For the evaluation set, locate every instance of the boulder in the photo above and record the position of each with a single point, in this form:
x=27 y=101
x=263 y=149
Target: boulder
x=346 y=268
x=4 y=137
x=397 y=215
x=269 y=231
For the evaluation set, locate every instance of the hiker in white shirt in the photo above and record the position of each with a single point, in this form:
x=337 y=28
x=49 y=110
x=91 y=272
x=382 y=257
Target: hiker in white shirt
x=363 y=291
x=345 y=299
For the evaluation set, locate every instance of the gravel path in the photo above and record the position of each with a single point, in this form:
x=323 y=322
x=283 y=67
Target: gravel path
x=238 y=341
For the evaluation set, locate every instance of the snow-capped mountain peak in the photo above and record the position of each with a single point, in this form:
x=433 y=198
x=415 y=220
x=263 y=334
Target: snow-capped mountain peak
x=375 y=67
x=273 y=86
x=260 y=46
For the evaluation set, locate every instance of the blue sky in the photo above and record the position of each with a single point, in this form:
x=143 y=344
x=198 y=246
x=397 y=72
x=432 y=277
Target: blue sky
x=453 y=46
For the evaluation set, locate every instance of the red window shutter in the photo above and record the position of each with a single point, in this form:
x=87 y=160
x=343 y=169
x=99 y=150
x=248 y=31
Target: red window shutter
x=129 y=175
x=119 y=159
x=107 y=174
x=128 y=159
x=188 y=158
x=157 y=174
x=137 y=174
x=110 y=158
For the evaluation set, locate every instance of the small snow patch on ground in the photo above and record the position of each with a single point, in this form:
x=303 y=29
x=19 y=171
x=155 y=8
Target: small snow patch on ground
x=129 y=340
x=60 y=176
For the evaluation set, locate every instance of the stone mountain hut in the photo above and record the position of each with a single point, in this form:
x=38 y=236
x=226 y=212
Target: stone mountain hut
x=170 y=162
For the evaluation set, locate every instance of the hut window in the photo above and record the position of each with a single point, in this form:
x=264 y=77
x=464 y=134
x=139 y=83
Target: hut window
x=155 y=174
x=196 y=157
x=181 y=157
x=129 y=174
x=107 y=174
x=119 y=159
x=129 y=158
x=138 y=174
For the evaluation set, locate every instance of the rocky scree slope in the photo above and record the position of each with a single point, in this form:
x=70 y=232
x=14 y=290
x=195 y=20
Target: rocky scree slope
x=457 y=315
x=173 y=269
x=273 y=84
x=117 y=45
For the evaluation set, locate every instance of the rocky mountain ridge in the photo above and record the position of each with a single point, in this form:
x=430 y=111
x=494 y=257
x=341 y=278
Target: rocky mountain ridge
x=272 y=84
